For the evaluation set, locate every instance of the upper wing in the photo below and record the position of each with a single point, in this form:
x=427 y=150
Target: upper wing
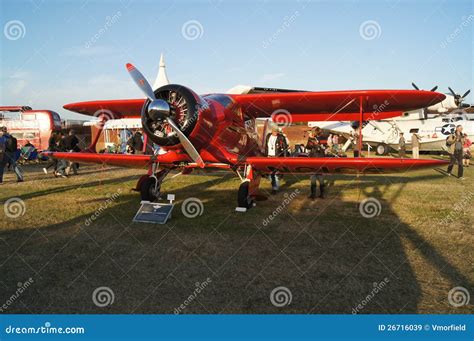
x=336 y=105
x=311 y=165
x=112 y=109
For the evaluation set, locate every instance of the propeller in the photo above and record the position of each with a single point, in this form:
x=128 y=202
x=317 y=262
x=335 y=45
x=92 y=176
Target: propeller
x=417 y=88
x=458 y=99
x=159 y=111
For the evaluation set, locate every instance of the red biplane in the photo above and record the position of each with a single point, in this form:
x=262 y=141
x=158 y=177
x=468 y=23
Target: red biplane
x=218 y=131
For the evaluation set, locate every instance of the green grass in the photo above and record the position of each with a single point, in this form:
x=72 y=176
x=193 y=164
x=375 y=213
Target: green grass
x=325 y=251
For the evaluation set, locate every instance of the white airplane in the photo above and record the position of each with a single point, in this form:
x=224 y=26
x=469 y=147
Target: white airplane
x=385 y=134
x=432 y=125
x=452 y=101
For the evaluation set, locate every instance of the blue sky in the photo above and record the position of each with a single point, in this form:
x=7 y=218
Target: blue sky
x=68 y=51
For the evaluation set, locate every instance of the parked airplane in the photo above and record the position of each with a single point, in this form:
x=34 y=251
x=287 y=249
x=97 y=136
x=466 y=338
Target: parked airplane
x=452 y=101
x=385 y=134
x=217 y=131
x=433 y=129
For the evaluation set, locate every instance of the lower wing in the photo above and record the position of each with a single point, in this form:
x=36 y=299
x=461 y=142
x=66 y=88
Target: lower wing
x=132 y=161
x=343 y=165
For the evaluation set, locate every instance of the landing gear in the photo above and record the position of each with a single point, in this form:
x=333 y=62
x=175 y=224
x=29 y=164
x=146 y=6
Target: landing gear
x=244 y=200
x=150 y=185
x=150 y=189
x=248 y=190
x=382 y=149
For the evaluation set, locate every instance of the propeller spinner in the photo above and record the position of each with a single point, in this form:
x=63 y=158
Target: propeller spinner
x=159 y=111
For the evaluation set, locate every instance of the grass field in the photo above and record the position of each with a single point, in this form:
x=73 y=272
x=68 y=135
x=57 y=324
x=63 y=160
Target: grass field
x=327 y=255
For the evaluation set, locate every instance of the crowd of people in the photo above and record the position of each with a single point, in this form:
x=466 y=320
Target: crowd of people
x=458 y=146
x=60 y=142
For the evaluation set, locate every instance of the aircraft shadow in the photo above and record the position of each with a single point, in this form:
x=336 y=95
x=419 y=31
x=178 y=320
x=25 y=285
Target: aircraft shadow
x=325 y=253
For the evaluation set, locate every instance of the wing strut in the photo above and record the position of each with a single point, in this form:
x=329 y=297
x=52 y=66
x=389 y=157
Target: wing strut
x=361 y=118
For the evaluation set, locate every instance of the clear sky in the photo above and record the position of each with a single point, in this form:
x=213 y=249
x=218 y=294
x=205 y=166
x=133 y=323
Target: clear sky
x=57 y=52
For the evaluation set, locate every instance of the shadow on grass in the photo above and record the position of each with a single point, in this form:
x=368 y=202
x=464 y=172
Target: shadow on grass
x=329 y=256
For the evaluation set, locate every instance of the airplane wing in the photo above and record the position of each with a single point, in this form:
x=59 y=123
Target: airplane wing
x=310 y=165
x=170 y=159
x=336 y=105
x=113 y=109
x=303 y=106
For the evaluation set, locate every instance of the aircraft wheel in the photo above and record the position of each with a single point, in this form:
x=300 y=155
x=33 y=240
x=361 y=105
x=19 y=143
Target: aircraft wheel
x=382 y=149
x=243 y=198
x=148 y=191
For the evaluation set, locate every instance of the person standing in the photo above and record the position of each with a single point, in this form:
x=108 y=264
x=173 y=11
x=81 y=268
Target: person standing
x=71 y=144
x=3 y=157
x=11 y=146
x=355 y=143
x=316 y=149
x=52 y=147
x=138 y=142
x=415 y=145
x=455 y=143
x=402 y=146
x=62 y=164
x=467 y=151
x=275 y=146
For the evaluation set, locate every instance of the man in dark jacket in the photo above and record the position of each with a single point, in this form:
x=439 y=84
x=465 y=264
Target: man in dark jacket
x=71 y=144
x=316 y=149
x=11 y=146
x=275 y=146
x=62 y=164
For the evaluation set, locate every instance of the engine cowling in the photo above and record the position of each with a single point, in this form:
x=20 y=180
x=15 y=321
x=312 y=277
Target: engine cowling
x=184 y=109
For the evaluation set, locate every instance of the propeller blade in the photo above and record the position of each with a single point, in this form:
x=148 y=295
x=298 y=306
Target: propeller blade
x=466 y=93
x=414 y=85
x=188 y=146
x=452 y=92
x=434 y=88
x=141 y=81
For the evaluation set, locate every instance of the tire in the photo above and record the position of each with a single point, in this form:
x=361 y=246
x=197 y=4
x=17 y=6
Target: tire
x=382 y=149
x=147 y=190
x=243 y=198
